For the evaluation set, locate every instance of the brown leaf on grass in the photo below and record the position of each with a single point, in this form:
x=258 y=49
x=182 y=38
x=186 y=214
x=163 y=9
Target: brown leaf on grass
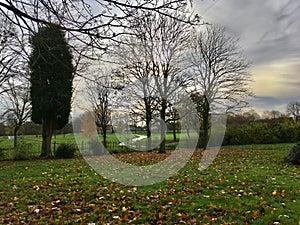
x=255 y=212
x=212 y=206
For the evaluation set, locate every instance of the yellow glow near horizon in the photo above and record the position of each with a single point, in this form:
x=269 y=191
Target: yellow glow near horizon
x=271 y=79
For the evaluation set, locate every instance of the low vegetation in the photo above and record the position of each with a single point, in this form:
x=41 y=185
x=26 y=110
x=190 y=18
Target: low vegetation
x=65 y=151
x=263 y=131
x=240 y=187
x=8 y=152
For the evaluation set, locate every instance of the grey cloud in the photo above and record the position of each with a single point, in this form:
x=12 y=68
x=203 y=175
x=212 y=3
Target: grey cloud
x=269 y=33
x=264 y=103
x=269 y=30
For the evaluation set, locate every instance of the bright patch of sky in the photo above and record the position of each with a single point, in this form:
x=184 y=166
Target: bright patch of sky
x=270 y=37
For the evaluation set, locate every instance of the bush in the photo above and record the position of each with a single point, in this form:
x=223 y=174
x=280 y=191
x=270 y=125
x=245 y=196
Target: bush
x=1 y=150
x=22 y=151
x=95 y=147
x=262 y=132
x=65 y=151
x=2 y=153
x=294 y=155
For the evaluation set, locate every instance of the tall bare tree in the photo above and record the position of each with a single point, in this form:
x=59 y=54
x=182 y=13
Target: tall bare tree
x=168 y=40
x=136 y=71
x=293 y=108
x=219 y=69
x=158 y=47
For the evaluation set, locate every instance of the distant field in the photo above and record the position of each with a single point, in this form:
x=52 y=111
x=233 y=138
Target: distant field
x=113 y=140
x=69 y=138
x=247 y=186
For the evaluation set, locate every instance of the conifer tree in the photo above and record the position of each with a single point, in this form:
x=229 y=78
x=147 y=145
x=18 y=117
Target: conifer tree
x=51 y=77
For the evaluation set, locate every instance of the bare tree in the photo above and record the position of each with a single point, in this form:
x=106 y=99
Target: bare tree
x=135 y=69
x=238 y=119
x=10 y=52
x=293 y=108
x=14 y=85
x=2 y=129
x=90 y=25
x=91 y=22
x=219 y=69
x=158 y=47
x=99 y=94
x=273 y=114
x=16 y=104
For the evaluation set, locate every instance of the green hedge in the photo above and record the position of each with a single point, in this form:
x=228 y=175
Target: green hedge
x=261 y=132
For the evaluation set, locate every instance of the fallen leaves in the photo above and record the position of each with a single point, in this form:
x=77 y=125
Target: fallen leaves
x=240 y=187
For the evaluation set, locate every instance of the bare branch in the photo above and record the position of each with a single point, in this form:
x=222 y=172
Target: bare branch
x=219 y=67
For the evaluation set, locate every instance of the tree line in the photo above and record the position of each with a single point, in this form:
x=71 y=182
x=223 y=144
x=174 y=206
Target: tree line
x=164 y=63
x=269 y=128
x=158 y=55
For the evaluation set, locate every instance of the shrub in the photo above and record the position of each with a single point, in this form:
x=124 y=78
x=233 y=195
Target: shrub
x=22 y=151
x=294 y=155
x=262 y=132
x=65 y=151
x=2 y=153
x=1 y=150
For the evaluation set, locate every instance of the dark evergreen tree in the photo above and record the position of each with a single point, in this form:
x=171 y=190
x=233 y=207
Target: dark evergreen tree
x=51 y=77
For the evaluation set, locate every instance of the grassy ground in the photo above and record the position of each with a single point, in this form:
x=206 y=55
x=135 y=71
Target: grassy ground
x=69 y=138
x=240 y=187
x=33 y=143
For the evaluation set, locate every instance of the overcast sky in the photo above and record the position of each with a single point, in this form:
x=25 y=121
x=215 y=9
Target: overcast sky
x=269 y=34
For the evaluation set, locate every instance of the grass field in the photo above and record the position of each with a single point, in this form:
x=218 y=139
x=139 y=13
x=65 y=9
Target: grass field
x=69 y=138
x=33 y=143
x=241 y=187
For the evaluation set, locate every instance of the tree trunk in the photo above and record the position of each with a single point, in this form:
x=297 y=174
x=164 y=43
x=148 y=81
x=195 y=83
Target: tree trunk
x=104 y=133
x=147 y=102
x=104 y=138
x=149 y=141
x=16 y=129
x=174 y=130
x=200 y=134
x=205 y=122
x=162 y=146
x=47 y=132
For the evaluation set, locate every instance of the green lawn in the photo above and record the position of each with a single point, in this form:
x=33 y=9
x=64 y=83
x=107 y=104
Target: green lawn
x=33 y=143
x=240 y=187
x=69 y=138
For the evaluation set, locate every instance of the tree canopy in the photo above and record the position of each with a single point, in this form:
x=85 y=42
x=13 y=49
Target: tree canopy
x=51 y=78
